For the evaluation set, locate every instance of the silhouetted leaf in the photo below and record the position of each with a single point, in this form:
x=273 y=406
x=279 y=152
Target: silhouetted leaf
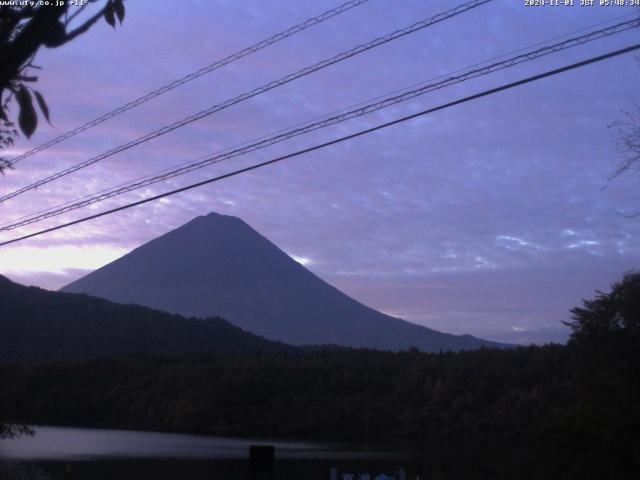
x=119 y=9
x=43 y=106
x=54 y=35
x=109 y=15
x=27 y=118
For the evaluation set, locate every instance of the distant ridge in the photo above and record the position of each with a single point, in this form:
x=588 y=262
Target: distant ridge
x=36 y=324
x=218 y=265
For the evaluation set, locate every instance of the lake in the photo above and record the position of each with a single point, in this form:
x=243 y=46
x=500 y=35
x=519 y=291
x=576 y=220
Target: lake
x=98 y=454
x=95 y=454
x=58 y=443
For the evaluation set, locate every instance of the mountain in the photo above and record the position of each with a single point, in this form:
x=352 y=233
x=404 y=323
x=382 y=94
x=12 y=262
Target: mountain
x=36 y=324
x=219 y=265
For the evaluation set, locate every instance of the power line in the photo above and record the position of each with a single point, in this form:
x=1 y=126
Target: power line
x=167 y=173
x=485 y=93
x=325 y=122
x=257 y=91
x=192 y=76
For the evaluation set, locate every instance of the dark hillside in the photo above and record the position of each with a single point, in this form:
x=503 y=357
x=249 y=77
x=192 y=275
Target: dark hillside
x=36 y=324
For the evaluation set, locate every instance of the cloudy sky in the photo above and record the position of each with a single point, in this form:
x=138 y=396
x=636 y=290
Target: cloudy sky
x=492 y=218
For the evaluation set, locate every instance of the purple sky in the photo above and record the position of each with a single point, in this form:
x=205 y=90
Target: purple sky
x=490 y=218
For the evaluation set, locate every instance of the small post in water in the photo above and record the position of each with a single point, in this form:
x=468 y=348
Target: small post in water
x=261 y=462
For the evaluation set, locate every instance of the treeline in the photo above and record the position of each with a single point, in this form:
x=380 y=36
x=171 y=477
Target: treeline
x=36 y=324
x=575 y=406
x=333 y=394
x=535 y=397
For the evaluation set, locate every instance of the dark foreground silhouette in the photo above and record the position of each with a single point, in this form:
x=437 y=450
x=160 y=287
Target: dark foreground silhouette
x=553 y=411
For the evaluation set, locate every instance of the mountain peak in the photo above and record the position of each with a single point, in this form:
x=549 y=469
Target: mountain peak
x=212 y=218
x=215 y=217
x=217 y=265
x=219 y=215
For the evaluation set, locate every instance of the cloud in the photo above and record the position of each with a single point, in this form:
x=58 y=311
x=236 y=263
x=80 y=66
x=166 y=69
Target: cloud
x=476 y=219
x=54 y=266
x=47 y=280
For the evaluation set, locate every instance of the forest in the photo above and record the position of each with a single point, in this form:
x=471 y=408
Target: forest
x=580 y=401
x=39 y=325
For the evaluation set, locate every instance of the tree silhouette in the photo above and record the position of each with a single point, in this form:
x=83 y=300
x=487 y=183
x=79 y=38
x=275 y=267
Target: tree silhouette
x=24 y=29
x=612 y=317
x=627 y=139
x=605 y=344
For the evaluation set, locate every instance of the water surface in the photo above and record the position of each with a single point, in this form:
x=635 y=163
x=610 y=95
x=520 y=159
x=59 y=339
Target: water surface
x=95 y=454
x=62 y=443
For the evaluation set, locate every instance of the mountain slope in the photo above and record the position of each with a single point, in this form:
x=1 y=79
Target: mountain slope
x=36 y=324
x=219 y=265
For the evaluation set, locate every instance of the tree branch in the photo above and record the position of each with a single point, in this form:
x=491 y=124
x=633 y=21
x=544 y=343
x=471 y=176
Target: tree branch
x=76 y=13
x=86 y=25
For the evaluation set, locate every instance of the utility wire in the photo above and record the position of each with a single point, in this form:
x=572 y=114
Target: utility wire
x=257 y=91
x=335 y=112
x=485 y=93
x=192 y=76
x=325 y=122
